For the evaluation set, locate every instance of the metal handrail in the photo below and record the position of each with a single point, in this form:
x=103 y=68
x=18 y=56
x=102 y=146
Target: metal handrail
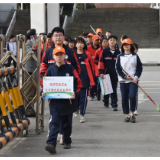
x=65 y=22
x=11 y=25
x=61 y=10
x=72 y=17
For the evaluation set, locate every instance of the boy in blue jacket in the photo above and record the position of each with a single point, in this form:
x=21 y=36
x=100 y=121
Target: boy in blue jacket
x=61 y=110
x=106 y=65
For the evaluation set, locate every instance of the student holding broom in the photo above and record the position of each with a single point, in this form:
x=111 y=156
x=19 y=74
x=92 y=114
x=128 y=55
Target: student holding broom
x=131 y=63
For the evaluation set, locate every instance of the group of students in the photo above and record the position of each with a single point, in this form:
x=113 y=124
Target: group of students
x=86 y=63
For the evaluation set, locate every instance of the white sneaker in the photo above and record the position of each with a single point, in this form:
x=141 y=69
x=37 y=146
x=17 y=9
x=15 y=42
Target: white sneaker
x=90 y=98
x=75 y=114
x=58 y=137
x=95 y=98
x=82 y=120
x=135 y=112
x=61 y=139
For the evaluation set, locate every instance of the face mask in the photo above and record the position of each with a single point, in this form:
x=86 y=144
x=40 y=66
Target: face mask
x=85 y=39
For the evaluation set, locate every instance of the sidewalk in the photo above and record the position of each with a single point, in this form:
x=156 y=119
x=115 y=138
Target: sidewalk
x=104 y=134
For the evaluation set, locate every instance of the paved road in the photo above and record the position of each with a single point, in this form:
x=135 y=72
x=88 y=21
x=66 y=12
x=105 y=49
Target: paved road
x=104 y=133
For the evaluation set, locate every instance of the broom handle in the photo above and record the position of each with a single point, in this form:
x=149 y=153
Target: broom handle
x=140 y=88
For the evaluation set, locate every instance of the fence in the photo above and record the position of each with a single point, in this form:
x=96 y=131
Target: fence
x=14 y=125
x=13 y=78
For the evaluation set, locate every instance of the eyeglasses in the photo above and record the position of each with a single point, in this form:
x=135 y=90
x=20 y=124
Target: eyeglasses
x=56 y=36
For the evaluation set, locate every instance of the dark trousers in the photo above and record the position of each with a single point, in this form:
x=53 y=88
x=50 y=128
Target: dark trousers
x=82 y=100
x=9 y=62
x=98 y=87
x=54 y=127
x=136 y=100
x=129 y=93
x=93 y=90
x=114 y=98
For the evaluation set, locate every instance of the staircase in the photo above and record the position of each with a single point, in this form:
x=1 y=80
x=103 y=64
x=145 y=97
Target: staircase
x=22 y=22
x=139 y=24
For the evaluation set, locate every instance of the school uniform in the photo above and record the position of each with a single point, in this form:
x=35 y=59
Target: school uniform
x=107 y=66
x=98 y=55
x=48 y=60
x=42 y=48
x=86 y=77
x=92 y=50
x=61 y=110
x=131 y=63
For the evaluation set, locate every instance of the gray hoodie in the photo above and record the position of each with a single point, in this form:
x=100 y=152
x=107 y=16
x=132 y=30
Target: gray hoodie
x=31 y=64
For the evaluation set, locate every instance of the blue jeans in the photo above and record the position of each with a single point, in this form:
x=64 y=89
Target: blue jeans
x=129 y=93
x=54 y=126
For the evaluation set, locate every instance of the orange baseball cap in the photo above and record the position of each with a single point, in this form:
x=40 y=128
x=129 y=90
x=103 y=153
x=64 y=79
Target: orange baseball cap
x=90 y=35
x=59 y=49
x=95 y=37
x=127 y=41
x=99 y=30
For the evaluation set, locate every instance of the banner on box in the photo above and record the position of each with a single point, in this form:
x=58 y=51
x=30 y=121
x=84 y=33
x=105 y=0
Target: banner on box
x=58 y=87
x=106 y=87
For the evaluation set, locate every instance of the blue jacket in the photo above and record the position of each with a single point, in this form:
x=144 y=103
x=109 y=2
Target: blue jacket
x=107 y=63
x=64 y=106
x=48 y=60
x=86 y=72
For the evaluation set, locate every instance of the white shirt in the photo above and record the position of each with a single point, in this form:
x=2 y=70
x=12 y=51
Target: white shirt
x=13 y=48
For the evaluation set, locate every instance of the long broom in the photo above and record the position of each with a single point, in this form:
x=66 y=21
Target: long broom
x=157 y=106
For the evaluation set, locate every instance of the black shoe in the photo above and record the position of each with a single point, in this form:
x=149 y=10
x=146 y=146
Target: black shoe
x=133 y=119
x=114 y=109
x=127 y=119
x=106 y=105
x=98 y=97
x=50 y=148
x=67 y=146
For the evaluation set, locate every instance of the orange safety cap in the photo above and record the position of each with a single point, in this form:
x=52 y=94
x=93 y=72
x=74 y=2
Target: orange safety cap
x=59 y=49
x=127 y=41
x=90 y=35
x=99 y=30
x=95 y=37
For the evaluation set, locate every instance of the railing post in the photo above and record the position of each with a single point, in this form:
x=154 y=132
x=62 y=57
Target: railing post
x=18 y=59
x=38 y=85
x=21 y=6
x=2 y=43
x=84 y=6
x=23 y=55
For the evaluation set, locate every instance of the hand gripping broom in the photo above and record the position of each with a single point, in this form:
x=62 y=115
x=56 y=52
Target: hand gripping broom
x=157 y=106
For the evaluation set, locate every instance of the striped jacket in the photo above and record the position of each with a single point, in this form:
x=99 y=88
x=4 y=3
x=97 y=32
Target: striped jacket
x=107 y=63
x=131 y=64
x=64 y=106
x=48 y=60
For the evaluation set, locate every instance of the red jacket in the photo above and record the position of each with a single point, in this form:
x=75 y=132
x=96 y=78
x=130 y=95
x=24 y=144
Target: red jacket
x=42 y=47
x=86 y=70
x=92 y=51
x=97 y=57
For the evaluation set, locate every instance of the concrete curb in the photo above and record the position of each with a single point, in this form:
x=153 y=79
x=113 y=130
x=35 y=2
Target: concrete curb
x=151 y=64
